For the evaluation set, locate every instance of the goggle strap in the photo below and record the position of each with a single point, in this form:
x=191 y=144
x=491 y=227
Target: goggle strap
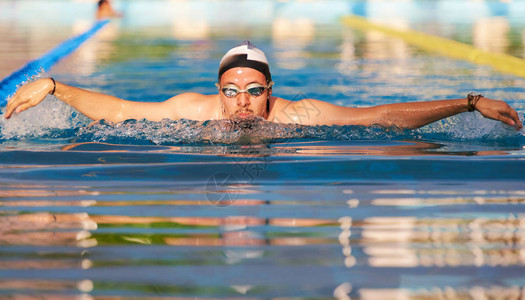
x=269 y=86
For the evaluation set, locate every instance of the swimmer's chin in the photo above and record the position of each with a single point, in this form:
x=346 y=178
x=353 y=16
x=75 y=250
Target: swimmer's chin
x=249 y=119
x=245 y=116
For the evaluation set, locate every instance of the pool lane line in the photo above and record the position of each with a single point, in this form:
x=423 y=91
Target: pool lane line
x=502 y=62
x=8 y=85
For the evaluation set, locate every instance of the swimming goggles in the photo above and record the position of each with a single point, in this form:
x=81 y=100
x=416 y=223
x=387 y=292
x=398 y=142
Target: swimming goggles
x=254 y=89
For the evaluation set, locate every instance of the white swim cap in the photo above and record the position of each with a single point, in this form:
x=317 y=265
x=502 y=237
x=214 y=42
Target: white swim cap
x=245 y=55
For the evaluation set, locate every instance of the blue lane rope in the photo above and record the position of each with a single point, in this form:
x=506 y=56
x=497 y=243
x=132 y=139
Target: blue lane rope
x=9 y=84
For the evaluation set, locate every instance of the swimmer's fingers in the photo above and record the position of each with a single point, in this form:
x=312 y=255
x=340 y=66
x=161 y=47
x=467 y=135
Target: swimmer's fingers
x=28 y=96
x=513 y=115
x=12 y=104
x=509 y=121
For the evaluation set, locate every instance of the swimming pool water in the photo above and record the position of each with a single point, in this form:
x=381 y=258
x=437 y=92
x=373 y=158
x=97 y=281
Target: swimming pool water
x=180 y=209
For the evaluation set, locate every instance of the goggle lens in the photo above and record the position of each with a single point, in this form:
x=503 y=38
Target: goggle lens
x=231 y=92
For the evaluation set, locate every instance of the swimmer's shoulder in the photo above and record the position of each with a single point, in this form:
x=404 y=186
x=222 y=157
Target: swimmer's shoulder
x=280 y=109
x=193 y=106
x=303 y=111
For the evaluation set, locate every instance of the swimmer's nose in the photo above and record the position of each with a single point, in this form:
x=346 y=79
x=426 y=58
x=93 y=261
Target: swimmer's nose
x=243 y=100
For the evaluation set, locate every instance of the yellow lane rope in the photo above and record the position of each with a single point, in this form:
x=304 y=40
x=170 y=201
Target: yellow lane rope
x=501 y=62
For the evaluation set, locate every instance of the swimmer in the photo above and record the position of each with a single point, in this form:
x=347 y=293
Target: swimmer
x=105 y=10
x=245 y=91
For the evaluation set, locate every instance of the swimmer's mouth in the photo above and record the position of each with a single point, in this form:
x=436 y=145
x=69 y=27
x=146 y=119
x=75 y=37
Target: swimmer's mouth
x=244 y=114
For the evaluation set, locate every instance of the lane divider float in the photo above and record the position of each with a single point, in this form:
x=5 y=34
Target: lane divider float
x=8 y=85
x=502 y=62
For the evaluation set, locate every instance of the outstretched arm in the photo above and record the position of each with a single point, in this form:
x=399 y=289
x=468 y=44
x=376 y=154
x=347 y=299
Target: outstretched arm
x=94 y=105
x=404 y=115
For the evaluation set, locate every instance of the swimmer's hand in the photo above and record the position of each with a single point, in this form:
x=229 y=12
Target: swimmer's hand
x=28 y=96
x=499 y=110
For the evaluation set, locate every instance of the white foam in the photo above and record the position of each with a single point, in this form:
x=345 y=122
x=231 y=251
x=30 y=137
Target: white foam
x=40 y=120
x=56 y=120
x=472 y=126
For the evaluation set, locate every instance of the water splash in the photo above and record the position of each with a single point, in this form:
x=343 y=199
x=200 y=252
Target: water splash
x=54 y=120
x=217 y=132
x=473 y=127
x=50 y=119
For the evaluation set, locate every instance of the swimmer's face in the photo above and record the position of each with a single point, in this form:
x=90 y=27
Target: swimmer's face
x=244 y=105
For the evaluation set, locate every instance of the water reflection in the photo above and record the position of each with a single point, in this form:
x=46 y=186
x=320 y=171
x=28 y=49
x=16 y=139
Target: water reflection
x=291 y=37
x=188 y=22
x=475 y=292
x=289 y=33
x=45 y=229
x=266 y=152
x=366 y=227
x=389 y=242
x=49 y=289
x=491 y=34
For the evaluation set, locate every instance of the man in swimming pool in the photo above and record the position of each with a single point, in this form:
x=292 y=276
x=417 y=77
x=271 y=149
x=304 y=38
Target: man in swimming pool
x=245 y=91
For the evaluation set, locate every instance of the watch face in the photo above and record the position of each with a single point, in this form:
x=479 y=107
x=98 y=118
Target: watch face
x=473 y=99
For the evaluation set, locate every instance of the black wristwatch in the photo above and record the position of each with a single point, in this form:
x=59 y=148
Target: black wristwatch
x=473 y=99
